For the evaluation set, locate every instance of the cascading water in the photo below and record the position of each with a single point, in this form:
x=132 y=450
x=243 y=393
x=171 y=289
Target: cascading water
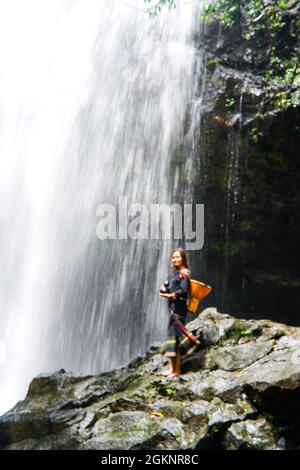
x=93 y=102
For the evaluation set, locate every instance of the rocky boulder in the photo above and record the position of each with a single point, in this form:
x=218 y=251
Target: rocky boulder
x=240 y=390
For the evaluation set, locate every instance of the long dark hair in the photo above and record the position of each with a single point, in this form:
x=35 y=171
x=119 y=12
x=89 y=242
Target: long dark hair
x=185 y=260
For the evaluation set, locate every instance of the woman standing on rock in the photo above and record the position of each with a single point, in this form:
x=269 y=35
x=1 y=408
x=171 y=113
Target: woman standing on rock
x=180 y=342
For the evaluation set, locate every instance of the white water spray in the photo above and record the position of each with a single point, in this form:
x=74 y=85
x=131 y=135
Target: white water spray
x=93 y=96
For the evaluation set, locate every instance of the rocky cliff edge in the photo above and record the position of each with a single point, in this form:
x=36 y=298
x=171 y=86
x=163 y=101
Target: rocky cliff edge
x=241 y=390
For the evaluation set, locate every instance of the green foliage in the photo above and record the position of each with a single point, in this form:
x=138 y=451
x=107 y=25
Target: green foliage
x=284 y=78
x=283 y=4
x=246 y=225
x=282 y=428
x=214 y=429
x=282 y=100
x=229 y=103
x=265 y=24
x=255 y=134
x=212 y=62
x=208 y=12
x=222 y=10
x=269 y=417
x=156 y=7
x=170 y=392
x=266 y=20
x=206 y=75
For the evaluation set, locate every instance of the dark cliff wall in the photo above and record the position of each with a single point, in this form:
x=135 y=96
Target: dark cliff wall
x=247 y=162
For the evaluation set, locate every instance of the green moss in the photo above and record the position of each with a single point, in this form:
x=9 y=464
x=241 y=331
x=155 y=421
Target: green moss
x=241 y=328
x=245 y=332
x=246 y=225
x=231 y=248
x=279 y=279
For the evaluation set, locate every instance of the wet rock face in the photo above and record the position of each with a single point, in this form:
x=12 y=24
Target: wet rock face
x=252 y=434
x=239 y=391
x=247 y=173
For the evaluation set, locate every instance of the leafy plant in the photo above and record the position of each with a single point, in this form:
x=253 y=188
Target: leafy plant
x=170 y=392
x=265 y=25
x=223 y=10
x=214 y=429
x=282 y=428
x=270 y=417
x=229 y=103
x=212 y=61
x=254 y=134
x=155 y=9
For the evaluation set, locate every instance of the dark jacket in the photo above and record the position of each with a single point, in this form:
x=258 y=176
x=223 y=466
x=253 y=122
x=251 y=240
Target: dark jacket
x=179 y=283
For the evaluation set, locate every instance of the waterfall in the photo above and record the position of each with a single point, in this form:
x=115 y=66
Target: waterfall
x=93 y=102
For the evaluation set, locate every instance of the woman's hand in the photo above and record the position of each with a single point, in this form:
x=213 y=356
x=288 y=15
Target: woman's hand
x=169 y=296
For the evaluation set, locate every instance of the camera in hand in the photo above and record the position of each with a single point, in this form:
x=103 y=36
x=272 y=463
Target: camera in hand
x=165 y=289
